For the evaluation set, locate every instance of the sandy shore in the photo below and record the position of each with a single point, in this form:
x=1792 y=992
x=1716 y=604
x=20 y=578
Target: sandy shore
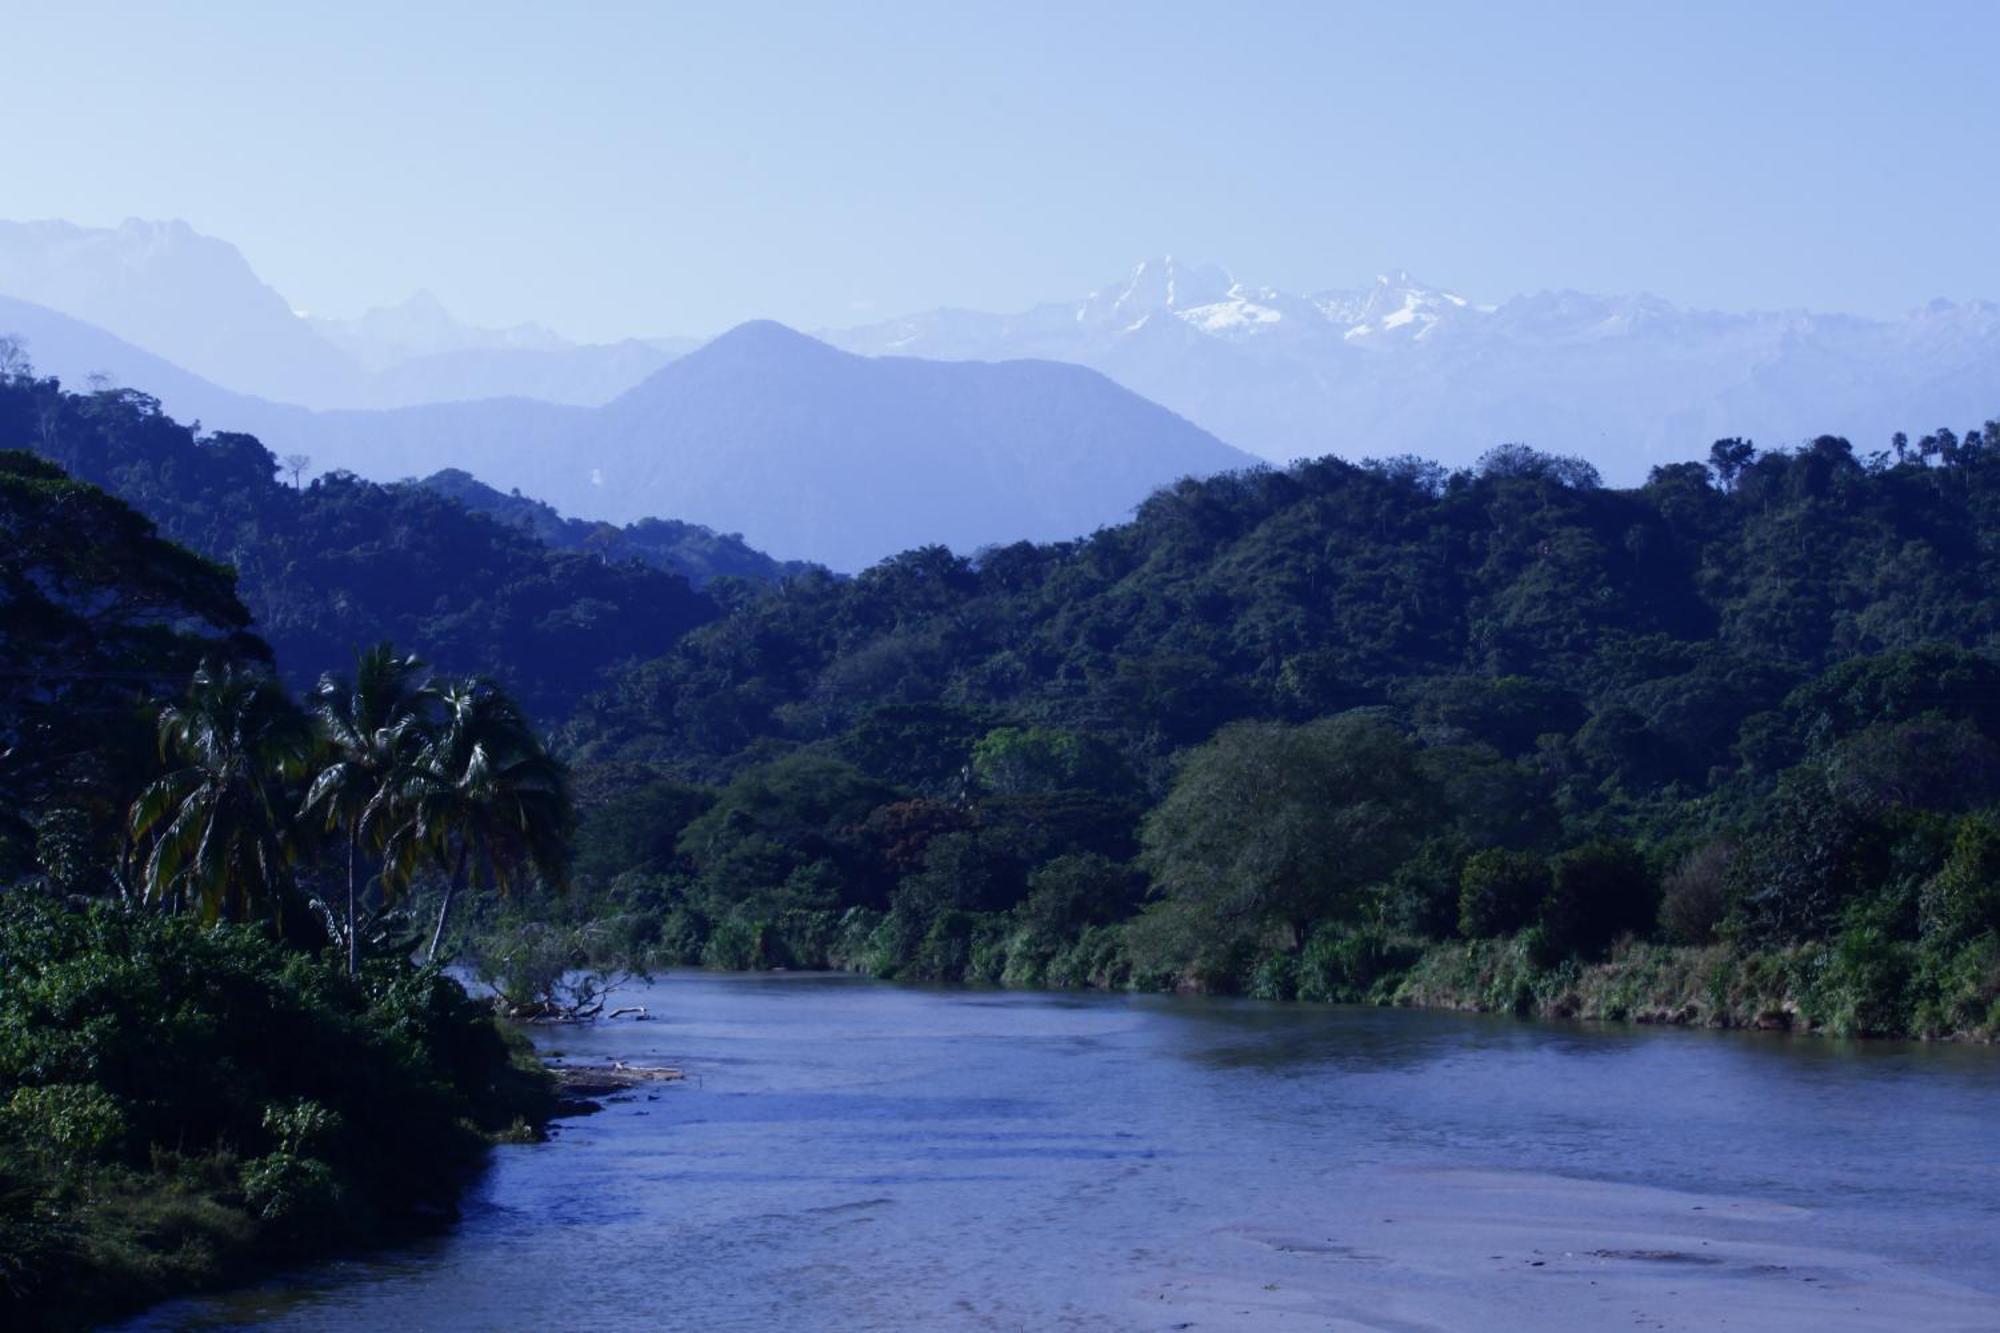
x=1470 y=1250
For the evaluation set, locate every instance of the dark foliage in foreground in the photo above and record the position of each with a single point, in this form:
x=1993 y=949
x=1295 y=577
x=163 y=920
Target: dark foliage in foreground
x=186 y=1104
x=195 y=1082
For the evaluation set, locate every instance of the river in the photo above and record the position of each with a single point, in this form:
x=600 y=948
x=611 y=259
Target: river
x=848 y=1155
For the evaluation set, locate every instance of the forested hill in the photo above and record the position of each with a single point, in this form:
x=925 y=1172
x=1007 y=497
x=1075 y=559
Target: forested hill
x=343 y=562
x=1628 y=643
x=699 y=553
x=1376 y=731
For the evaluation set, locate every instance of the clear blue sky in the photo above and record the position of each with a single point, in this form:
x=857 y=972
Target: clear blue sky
x=654 y=168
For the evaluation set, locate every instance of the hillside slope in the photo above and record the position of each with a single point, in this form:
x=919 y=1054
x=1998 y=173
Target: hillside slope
x=817 y=453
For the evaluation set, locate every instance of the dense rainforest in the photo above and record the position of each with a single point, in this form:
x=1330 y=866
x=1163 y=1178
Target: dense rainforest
x=1724 y=749
x=212 y=1060
x=1367 y=730
x=698 y=553
x=1719 y=748
x=341 y=561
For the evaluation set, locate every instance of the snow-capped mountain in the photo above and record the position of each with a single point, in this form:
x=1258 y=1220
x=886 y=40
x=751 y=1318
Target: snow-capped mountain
x=1390 y=367
x=1402 y=367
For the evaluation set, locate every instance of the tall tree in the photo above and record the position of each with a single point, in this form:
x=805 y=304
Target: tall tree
x=1272 y=828
x=371 y=730
x=213 y=831
x=484 y=798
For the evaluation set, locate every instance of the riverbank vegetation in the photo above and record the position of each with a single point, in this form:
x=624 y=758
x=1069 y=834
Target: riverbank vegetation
x=189 y=1105
x=1723 y=747
x=216 y=1052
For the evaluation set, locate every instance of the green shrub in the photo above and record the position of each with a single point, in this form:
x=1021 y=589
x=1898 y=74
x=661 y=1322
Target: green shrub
x=992 y=942
x=736 y=945
x=1963 y=899
x=1694 y=897
x=855 y=940
x=148 y=1057
x=1099 y=957
x=803 y=939
x=683 y=935
x=1421 y=896
x=67 y=1122
x=1597 y=893
x=1861 y=986
x=288 y=1188
x=945 y=953
x=1500 y=891
x=1346 y=965
x=1957 y=989
x=1275 y=977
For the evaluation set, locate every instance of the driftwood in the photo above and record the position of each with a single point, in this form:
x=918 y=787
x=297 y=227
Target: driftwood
x=604 y=1080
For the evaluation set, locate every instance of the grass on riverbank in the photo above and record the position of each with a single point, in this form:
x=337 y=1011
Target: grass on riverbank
x=183 y=1108
x=1858 y=984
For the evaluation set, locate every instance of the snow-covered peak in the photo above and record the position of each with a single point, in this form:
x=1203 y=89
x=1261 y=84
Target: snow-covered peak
x=1155 y=286
x=1396 y=305
x=1242 y=310
x=1207 y=300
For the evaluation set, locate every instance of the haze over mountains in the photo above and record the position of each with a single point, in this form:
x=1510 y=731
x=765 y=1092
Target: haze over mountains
x=194 y=300
x=805 y=451
x=812 y=453
x=1402 y=367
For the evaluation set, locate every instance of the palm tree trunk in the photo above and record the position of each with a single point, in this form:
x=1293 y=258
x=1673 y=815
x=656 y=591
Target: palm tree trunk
x=353 y=838
x=444 y=911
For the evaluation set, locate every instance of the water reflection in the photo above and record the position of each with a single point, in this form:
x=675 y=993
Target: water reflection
x=857 y=1155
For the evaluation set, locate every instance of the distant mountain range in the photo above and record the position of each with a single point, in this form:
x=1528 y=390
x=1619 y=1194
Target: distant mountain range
x=819 y=456
x=1400 y=367
x=763 y=434
x=193 y=299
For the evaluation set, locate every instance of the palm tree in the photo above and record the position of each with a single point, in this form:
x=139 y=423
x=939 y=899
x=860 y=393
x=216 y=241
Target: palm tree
x=214 y=830
x=484 y=797
x=371 y=731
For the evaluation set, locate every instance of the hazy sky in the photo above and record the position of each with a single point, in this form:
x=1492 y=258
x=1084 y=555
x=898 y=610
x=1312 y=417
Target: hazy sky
x=626 y=168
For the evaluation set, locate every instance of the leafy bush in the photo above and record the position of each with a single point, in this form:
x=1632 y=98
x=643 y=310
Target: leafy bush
x=1421 y=895
x=1348 y=965
x=736 y=944
x=1276 y=977
x=1500 y=891
x=1694 y=898
x=187 y=1102
x=1597 y=892
x=1862 y=985
x=1958 y=990
x=67 y=1122
x=1963 y=899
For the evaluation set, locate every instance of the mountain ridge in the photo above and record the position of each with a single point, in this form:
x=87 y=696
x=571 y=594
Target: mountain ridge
x=808 y=452
x=1404 y=367
x=195 y=301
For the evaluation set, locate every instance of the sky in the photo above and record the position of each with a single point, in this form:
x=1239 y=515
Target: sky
x=614 y=169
